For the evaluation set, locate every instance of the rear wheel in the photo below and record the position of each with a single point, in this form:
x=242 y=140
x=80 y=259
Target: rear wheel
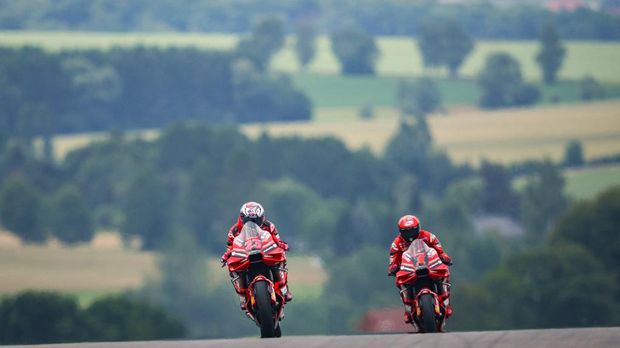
x=264 y=310
x=427 y=305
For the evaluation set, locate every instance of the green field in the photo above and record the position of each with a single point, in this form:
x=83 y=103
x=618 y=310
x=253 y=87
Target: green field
x=326 y=91
x=399 y=55
x=342 y=91
x=587 y=183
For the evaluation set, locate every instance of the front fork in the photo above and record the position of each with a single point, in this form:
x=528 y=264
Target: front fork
x=441 y=300
x=277 y=299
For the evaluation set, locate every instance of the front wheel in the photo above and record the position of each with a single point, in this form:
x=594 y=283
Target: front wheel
x=264 y=310
x=427 y=305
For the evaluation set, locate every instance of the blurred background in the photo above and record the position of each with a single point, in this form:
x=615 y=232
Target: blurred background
x=132 y=131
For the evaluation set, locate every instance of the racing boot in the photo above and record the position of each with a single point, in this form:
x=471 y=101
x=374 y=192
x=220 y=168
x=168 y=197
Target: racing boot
x=444 y=296
x=407 y=318
x=286 y=293
x=282 y=276
x=405 y=296
x=243 y=303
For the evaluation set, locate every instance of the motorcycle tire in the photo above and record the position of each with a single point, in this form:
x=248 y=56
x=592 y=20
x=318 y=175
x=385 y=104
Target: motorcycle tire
x=264 y=310
x=427 y=305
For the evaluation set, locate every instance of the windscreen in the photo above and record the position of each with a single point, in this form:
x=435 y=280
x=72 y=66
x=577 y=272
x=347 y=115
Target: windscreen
x=250 y=236
x=419 y=252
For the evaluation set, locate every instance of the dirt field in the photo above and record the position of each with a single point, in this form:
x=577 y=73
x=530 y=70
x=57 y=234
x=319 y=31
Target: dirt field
x=520 y=134
x=103 y=266
x=469 y=135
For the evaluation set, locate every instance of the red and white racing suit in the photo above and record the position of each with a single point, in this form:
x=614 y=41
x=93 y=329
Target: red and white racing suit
x=400 y=245
x=281 y=275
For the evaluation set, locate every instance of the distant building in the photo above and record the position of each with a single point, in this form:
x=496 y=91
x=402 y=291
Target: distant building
x=567 y=5
x=502 y=225
x=552 y=5
x=384 y=320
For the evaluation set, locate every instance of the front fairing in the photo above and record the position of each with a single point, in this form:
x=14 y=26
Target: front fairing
x=420 y=260
x=254 y=245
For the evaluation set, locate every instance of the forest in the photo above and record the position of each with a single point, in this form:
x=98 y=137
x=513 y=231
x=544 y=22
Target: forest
x=393 y=17
x=179 y=194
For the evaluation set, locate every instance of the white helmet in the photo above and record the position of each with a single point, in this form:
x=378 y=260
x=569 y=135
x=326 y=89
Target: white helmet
x=252 y=211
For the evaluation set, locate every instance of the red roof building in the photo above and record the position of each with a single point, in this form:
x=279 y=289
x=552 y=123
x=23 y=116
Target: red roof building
x=565 y=5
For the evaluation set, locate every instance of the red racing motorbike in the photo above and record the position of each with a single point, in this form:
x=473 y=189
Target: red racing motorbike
x=421 y=278
x=254 y=260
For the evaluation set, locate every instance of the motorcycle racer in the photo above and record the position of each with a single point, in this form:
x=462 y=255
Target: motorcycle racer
x=409 y=230
x=253 y=211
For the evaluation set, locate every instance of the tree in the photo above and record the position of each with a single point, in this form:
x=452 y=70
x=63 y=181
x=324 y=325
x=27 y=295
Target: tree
x=444 y=42
x=271 y=98
x=148 y=211
x=419 y=98
x=185 y=289
x=356 y=51
x=69 y=217
x=366 y=111
x=573 y=154
x=364 y=271
x=497 y=195
x=502 y=83
x=34 y=87
x=35 y=317
x=267 y=38
x=543 y=199
x=551 y=54
x=594 y=225
x=200 y=205
x=565 y=280
x=285 y=198
x=21 y=210
x=40 y=317
x=305 y=45
x=119 y=318
x=411 y=152
x=591 y=89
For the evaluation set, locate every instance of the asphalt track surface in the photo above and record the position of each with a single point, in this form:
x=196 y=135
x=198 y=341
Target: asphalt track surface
x=582 y=337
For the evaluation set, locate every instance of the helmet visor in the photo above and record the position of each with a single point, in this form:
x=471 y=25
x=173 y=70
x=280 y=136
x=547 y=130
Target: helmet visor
x=409 y=234
x=256 y=219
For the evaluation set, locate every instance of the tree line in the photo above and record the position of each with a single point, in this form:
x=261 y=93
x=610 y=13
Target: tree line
x=45 y=93
x=37 y=317
x=569 y=279
x=482 y=20
x=152 y=189
x=179 y=194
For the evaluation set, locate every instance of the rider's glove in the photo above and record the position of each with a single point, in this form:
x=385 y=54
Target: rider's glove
x=446 y=259
x=224 y=258
x=283 y=245
x=392 y=270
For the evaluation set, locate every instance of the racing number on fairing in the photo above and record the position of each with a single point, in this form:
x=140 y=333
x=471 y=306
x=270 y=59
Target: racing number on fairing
x=421 y=260
x=252 y=244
